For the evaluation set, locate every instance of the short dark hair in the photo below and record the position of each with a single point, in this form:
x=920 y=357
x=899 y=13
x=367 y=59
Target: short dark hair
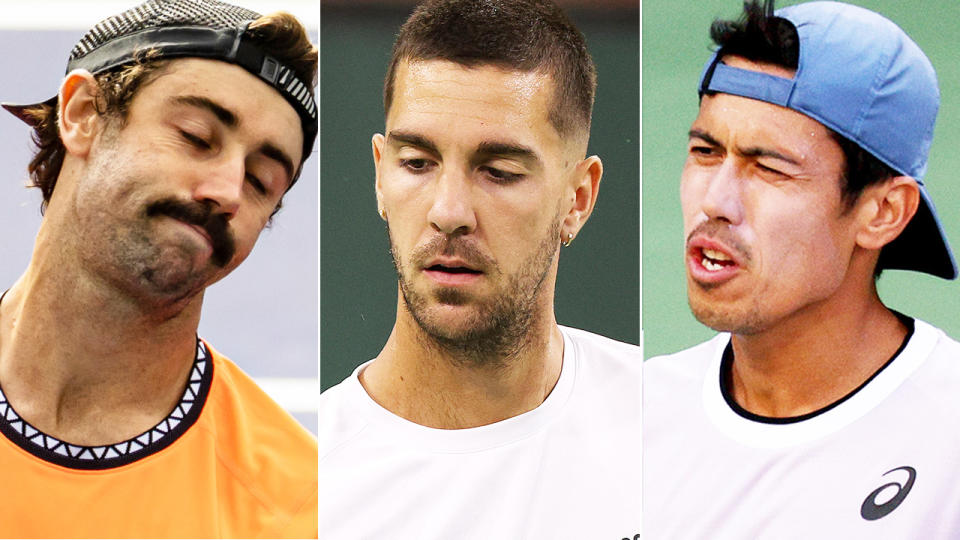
x=524 y=35
x=281 y=34
x=760 y=36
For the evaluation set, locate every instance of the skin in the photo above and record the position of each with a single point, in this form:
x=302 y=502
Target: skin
x=121 y=290
x=760 y=186
x=471 y=173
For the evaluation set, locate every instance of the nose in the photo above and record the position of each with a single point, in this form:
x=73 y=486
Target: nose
x=723 y=195
x=221 y=183
x=451 y=211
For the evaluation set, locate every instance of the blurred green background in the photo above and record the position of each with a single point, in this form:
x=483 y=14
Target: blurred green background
x=675 y=46
x=598 y=286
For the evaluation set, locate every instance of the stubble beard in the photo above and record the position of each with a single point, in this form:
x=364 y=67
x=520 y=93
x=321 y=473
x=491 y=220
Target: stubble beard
x=500 y=327
x=745 y=322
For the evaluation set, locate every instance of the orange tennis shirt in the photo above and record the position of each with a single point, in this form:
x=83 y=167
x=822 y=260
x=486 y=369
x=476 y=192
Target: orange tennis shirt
x=227 y=462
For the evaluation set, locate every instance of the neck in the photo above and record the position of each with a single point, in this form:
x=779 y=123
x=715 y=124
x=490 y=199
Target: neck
x=428 y=384
x=86 y=363
x=815 y=356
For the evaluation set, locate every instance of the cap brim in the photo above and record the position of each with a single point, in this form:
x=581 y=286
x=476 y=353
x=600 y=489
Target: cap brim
x=922 y=246
x=20 y=111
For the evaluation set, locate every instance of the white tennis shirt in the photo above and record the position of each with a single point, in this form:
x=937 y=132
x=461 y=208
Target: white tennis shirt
x=882 y=463
x=569 y=469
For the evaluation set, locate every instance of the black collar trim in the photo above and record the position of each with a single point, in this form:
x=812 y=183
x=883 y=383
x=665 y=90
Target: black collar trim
x=726 y=386
x=110 y=456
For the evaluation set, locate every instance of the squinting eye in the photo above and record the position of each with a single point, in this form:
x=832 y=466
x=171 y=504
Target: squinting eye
x=763 y=167
x=702 y=150
x=199 y=142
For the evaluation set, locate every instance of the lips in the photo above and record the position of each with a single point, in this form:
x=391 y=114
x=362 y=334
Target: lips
x=710 y=261
x=203 y=219
x=199 y=230
x=452 y=272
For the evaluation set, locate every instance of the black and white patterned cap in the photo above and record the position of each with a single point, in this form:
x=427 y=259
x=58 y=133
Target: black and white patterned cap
x=188 y=28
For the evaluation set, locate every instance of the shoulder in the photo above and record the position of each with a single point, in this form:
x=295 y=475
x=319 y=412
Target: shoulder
x=687 y=363
x=939 y=358
x=604 y=378
x=944 y=344
x=240 y=400
x=676 y=381
x=596 y=349
x=342 y=413
x=263 y=447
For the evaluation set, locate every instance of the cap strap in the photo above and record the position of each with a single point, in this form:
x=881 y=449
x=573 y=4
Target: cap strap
x=749 y=84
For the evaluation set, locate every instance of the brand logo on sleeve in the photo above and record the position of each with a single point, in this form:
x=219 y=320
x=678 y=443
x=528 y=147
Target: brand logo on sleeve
x=870 y=510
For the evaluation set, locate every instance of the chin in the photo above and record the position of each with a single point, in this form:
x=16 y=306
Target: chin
x=475 y=333
x=176 y=275
x=451 y=321
x=724 y=318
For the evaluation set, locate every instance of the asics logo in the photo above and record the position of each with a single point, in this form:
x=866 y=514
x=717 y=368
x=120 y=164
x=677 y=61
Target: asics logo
x=871 y=511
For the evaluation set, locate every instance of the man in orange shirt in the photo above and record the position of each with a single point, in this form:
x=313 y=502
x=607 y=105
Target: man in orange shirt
x=174 y=136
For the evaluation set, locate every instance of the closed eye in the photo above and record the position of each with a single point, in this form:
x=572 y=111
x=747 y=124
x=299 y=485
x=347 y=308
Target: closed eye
x=501 y=176
x=416 y=166
x=197 y=141
x=257 y=184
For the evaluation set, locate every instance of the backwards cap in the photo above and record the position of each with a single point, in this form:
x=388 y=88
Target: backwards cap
x=860 y=75
x=187 y=28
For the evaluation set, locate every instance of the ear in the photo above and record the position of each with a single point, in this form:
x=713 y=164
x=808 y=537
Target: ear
x=586 y=185
x=886 y=210
x=377 y=143
x=78 y=119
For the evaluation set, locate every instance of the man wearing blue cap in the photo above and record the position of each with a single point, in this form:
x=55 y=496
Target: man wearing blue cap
x=818 y=412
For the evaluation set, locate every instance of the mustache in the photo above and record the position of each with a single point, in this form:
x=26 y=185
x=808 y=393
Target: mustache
x=456 y=246
x=720 y=231
x=202 y=215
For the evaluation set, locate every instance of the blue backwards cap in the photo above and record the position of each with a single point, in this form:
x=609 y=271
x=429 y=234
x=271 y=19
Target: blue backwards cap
x=860 y=75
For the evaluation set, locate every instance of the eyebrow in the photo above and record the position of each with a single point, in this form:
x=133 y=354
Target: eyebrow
x=706 y=137
x=229 y=119
x=495 y=148
x=222 y=113
x=485 y=148
x=753 y=151
x=398 y=137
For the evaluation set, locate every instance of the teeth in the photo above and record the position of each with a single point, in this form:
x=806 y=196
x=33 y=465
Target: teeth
x=716 y=255
x=710 y=265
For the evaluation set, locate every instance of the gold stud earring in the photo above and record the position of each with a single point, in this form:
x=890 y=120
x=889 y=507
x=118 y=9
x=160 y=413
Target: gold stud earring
x=569 y=239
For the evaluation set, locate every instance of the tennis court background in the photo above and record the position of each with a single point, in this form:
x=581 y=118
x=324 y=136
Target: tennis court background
x=263 y=315
x=598 y=284
x=675 y=46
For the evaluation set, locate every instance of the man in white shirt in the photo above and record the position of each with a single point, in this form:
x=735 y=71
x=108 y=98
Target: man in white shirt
x=818 y=412
x=481 y=417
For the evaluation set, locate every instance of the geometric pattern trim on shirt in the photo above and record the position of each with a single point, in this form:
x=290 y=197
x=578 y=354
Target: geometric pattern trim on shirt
x=74 y=456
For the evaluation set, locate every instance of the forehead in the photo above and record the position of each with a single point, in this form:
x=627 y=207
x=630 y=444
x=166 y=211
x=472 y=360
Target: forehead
x=262 y=114
x=483 y=100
